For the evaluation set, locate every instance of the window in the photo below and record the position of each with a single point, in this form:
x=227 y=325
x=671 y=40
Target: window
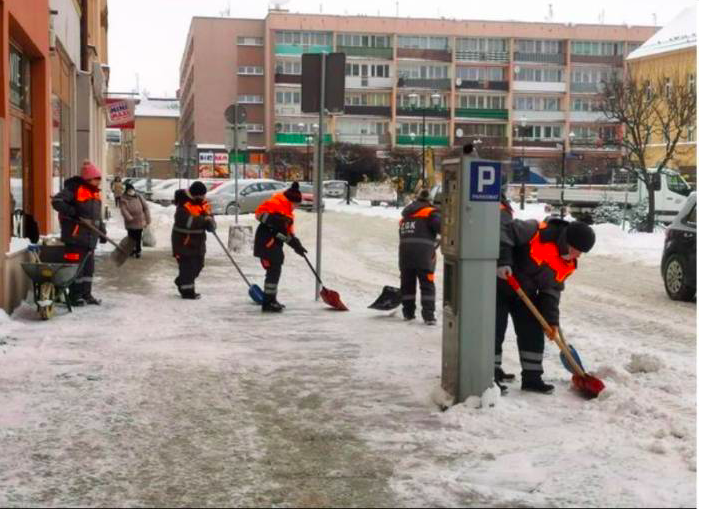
x=668 y=87
x=254 y=128
x=249 y=41
x=288 y=67
x=691 y=134
x=423 y=43
x=19 y=80
x=538 y=46
x=303 y=38
x=250 y=70
x=481 y=101
x=367 y=99
x=250 y=98
x=691 y=79
x=540 y=132
x=676 y=184
x=428 y=71
x=540 y=74
x=603 y=48
x=287 y=97
x=366 y=41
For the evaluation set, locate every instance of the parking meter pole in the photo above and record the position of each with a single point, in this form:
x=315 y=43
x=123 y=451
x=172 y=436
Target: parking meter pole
x=470 y=244
x=236 y=173
x=320 y=173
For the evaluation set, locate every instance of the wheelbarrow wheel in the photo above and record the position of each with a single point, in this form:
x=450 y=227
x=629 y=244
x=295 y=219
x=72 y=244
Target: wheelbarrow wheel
x=47 y=293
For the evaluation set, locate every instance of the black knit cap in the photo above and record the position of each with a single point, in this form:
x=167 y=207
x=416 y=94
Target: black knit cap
x=198 y=188
x=128 y=186
x=293 y=193
x=580 y=236
x=423 y=194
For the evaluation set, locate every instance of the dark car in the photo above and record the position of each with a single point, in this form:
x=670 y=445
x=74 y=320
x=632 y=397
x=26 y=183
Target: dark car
x=679 y=261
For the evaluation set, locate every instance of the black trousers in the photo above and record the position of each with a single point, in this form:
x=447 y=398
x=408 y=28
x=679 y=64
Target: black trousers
x=189 y=268
x=408 y=287
x=270 y=283
x=530 y=335
x=82 y=286
x=135 y=234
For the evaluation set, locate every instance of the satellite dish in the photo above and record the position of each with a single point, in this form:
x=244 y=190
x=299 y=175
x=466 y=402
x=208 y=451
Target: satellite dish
x=459 y=132
x=458 y=82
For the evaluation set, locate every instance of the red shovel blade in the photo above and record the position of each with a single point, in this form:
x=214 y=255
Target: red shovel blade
x=332 y=299
x=588 y=385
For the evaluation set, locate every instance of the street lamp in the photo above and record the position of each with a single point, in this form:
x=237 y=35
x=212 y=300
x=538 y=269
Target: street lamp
x=571 y=136
x=435 y=99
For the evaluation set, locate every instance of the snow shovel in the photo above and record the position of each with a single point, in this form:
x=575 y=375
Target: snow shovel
x=331 y=298
x=585 y=383
x=255 y=292
x=124 y=247
x=389 y=299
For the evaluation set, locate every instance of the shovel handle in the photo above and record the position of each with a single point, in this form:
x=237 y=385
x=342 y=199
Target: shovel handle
x=313 y=270
x=97 y=231
x=231 y=259
x=547 y=328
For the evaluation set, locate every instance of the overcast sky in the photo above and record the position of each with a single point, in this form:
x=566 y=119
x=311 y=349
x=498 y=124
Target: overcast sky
x=146 y=37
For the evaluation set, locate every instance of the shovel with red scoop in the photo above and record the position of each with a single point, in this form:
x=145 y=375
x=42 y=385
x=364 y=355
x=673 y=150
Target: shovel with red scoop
x=331 y=298
x=582 y=381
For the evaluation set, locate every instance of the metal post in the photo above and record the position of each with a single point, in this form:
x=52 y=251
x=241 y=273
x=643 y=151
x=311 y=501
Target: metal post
x=424 y=131
x=236 y=171
x=563 y=181
x=320 y=173
x=522 y=189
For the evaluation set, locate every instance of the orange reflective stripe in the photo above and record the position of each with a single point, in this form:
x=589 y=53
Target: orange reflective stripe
x=270 y=243
x=548 y=253
x=71 y=256
x=187 y=240
x=430 y=277
x=84 y=194
x=196 y=209
x=423 y=213
x=75 y=231
x=279 y=204
x=503 y=207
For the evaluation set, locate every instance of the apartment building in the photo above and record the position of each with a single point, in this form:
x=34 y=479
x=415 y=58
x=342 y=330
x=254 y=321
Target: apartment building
x=530 y=88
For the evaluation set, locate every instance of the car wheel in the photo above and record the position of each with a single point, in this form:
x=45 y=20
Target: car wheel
x=674 y=278
x=231 y=209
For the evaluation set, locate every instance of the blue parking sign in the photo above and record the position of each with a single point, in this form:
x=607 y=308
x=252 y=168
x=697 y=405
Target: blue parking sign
x=484 y=181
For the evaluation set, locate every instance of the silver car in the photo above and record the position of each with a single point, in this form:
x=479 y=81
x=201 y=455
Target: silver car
x=252 y=192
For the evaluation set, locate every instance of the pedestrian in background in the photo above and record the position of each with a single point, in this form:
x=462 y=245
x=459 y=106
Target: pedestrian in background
x=419 y=227
x=118 y=190
x=135 y=212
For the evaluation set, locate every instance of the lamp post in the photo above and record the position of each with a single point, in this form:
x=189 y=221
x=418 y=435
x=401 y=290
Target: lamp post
x=522 y=187
x=177 y=161
x=571 y=135
x=434 y=100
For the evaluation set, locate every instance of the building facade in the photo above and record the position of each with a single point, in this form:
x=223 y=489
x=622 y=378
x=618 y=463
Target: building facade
x=528 y=88
x=671 y=54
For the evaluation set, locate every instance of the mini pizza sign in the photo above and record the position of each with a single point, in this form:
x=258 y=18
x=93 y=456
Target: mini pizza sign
x=120 y=113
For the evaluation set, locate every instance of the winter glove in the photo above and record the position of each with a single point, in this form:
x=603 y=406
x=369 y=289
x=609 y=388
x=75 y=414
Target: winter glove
x=296 y=245
x=504 y=271
x=211 y=224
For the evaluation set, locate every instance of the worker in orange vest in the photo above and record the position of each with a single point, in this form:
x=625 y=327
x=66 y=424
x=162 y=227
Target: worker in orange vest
x=276 y=217
x=193 y=217
x=80 y=201
x=419 y=227
x=541 y=255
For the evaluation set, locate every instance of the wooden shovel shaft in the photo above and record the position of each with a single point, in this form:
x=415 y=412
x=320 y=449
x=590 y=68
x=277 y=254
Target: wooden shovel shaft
x=229 y=255
x=97 y=231
x=547 y=328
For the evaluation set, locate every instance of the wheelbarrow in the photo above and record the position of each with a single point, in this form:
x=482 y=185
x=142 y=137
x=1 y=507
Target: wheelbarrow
x=51 y=280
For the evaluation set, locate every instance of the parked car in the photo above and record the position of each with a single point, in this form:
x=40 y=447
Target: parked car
x=252 y=192
x=165 y=193
x=334 y=188
x=307 y=191
x=679 y=261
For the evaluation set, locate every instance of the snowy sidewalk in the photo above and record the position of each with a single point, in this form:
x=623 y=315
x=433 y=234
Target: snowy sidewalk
x=154 y=401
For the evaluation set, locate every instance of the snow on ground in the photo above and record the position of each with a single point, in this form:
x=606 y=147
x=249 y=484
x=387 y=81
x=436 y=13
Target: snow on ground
x=153 y=401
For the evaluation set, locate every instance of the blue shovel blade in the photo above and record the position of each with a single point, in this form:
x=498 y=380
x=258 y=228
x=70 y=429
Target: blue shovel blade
x=576 y=357
x=256 y=294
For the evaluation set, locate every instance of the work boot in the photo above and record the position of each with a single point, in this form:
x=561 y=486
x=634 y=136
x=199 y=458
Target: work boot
x=190 y=294
x=76 y=301
x=91 y=300
x=429 y=318
x=501 y=376
x=537 y=385
x=408 y=314
x=271 y=304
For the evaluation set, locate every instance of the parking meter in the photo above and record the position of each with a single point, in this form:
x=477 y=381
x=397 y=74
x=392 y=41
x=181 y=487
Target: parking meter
x=470 y=236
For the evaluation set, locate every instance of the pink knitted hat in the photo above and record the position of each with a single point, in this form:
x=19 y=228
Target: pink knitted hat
x=89 y=171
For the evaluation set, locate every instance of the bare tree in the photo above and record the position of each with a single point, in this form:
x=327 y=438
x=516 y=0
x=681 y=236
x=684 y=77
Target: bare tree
x=657 y=111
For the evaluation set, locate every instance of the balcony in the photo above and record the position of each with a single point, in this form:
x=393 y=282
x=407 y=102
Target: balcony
x=584 y=87
x=485 y=142
x=589 y=117
x=482 y=56
x=410 y=111
x=541 y=58
x=542 y=144
x=519 y=86
x=429 y=140
x=363 y=139
x=293 y=109
x=283 y=78
x=596 y=143
x=483 y=85
x=298 y=138
x=425 y=83
x=416 y=53
x=482 y=113
x=384 y=111
x=612 y=60
x=294 y=49
x=368 y=82
x=539 y=115
x=365 y=51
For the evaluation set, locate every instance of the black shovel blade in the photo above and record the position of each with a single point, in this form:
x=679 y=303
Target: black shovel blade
x=120 y=255
x=389 y=299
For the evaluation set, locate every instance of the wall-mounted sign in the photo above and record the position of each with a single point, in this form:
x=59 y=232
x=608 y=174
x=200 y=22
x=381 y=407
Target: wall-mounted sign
x=120 y=113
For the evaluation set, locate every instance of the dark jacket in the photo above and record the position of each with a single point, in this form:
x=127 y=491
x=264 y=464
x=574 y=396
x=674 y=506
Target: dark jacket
x=78 y=199
x=276 y=227
x=419 y=226
x=533 y=249
x=189 y=236
x=506 y=215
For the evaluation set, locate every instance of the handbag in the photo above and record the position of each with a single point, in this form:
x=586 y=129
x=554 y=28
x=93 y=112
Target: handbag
x=148 y=239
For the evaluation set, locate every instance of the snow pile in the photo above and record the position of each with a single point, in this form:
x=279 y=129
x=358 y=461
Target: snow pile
x=4 y=318
x=644 y=363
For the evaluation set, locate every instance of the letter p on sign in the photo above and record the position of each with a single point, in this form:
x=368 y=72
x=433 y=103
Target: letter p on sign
x=486 y=177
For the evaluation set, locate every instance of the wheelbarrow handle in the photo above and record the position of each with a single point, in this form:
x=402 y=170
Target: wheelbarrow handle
x=547 y=328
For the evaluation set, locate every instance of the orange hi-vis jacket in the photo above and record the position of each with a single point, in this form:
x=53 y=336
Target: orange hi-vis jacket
x=189 y=237
x=276 y=226
x=419 y=227
x=78 y=199
x=534 y=251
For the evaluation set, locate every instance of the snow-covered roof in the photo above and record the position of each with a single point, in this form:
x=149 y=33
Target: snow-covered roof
x=679 y=34
x=157 y=107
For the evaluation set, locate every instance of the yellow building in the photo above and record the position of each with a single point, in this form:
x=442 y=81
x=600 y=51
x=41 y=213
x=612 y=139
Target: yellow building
x=671 y=54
